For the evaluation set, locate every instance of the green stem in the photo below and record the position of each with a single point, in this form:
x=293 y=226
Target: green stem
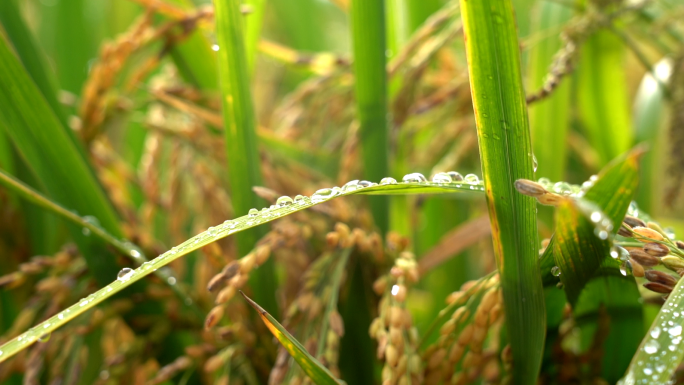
x=368 y=37
x=241 y=142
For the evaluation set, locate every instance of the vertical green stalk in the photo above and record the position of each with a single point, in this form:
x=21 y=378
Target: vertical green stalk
x=650 y=126
x=241 y=141
x=253 y=30
x=75 y=44
x=419 y=10
x=506 y=153
x=368 y=37
x=550 y=117
x=603 y=95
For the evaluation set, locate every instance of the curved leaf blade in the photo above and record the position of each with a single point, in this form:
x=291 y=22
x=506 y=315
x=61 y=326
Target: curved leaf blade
x=212 y=234
x=309 y=364
x=605 y=303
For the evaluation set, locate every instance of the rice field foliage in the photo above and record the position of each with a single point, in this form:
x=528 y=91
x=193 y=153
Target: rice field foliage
x=328 y=192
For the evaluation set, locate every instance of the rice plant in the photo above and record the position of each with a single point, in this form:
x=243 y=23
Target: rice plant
x=330 y=192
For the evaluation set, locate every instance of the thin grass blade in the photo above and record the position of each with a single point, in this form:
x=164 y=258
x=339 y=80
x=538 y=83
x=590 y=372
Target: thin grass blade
x=506 y=154
x=318 y=373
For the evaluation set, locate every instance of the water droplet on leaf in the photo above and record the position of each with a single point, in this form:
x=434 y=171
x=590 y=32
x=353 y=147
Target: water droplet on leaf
x=415 y=177
x=44 y=337
x=455 y=177
x=284 y=201
x=651 y=346
x=388 y=180
x=441 y=177
x=556 y=271
x=125 y=274
x=471 y=179
x=323 y=194
x=351 y=185
x=253 y=212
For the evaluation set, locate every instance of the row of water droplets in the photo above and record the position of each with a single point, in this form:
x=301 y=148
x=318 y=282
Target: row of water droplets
x=283 y=206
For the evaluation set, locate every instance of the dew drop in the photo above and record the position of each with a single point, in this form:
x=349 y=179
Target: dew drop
x=633 y=209
x=648 y=371
x=351 y=186
x=299 y=199
x=563 y=188
x=323 y=194
x=651 y=346
x=442 y=177
x=388 y=180
x=86 y=231
x=284 y=201
x=534 y=163
x=215 y=47
x=675 y=330
x=655 y=333
x=415 y=177
x=471 y=179
x=44 y=337
x=253 y=212
x=395 y=289
x=455 y=176
x=135 y=253
x=171 y=281
x=546 y=182
x=365 y=183
x=556 y=271
x=125 y=274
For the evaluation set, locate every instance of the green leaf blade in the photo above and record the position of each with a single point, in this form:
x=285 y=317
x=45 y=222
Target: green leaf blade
x=244 y=164
x=506 y=154
x=55 y=159
x=309 y=364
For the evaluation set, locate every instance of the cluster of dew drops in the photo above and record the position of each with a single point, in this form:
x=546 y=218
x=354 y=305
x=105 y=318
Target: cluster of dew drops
x=253 y=217
x=286 y=203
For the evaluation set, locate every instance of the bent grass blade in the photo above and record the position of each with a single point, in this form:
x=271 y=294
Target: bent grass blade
x=229 y=227
x=310 y=365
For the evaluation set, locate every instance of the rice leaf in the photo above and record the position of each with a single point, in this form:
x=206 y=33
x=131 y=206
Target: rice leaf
x=650 y=126
x=603 y=95
x=52 y=155
x=318 y=373
x=240 y=129
x=602 y=193
x=506 y=153
x=660 y=351
x=550 y=117
x=605 y=302
x=368 y=37
x=128 y=277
